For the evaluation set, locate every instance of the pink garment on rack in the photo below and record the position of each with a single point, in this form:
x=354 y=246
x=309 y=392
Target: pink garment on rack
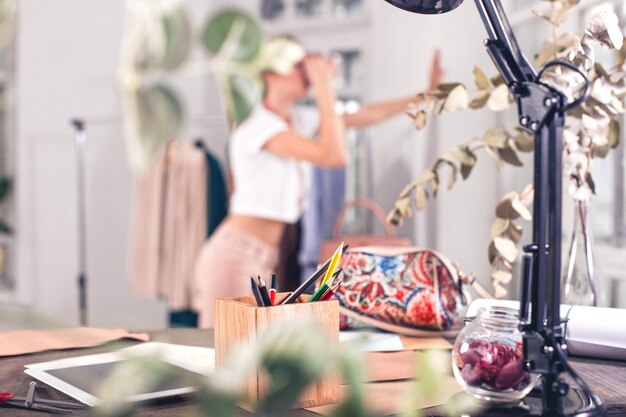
x=169 y=225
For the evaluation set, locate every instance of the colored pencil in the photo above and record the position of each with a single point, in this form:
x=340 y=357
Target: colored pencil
x=256 y=293
x=334 y=260
x=329 y=294
x=273 y=289
x=264 y=293
x=310 y=280
x=319 y=293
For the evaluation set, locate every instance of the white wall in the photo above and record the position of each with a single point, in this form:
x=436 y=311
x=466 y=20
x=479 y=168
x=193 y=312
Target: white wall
x=67 y=57
x=402 y=47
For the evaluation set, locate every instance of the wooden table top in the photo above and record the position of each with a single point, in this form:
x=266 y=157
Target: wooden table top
x=606 y=378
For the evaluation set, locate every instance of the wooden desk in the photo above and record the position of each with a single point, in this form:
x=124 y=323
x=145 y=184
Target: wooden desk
x=606 y=378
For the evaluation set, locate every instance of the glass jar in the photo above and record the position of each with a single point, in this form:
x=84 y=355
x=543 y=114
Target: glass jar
x=487 y=359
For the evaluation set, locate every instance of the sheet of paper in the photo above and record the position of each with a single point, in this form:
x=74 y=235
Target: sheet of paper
x=30 y=341
x=372 y=341
x=388 y=398
x=197 y=359
x=591 y=331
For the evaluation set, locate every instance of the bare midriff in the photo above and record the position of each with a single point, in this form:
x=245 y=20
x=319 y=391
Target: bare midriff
x=270 y=231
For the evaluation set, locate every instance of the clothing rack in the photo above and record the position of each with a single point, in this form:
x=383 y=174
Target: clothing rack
x=79 y=126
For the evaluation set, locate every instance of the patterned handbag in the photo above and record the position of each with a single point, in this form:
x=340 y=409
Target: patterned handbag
x=405 y=290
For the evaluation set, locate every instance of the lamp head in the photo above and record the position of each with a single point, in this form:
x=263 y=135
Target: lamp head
x=426 y=6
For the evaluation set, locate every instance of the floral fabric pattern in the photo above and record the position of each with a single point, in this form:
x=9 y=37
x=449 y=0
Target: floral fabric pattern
x=415 y=289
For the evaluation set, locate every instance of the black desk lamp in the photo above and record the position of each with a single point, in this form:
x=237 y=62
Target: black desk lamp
x=541 y=111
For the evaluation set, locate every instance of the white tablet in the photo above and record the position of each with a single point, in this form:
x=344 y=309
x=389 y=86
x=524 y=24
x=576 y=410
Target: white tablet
x=80 y=377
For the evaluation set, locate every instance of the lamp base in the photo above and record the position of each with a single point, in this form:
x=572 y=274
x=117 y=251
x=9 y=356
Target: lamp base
x=577 y=403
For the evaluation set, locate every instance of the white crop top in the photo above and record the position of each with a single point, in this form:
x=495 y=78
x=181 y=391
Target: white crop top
x=268 y=185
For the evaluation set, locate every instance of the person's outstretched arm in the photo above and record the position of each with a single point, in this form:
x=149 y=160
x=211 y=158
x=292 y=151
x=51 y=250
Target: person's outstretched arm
x=378 y=112
x=330 y=150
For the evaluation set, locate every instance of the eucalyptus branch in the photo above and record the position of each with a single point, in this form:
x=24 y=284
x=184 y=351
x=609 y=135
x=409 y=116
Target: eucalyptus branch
x=501 y=145
x=591 y=130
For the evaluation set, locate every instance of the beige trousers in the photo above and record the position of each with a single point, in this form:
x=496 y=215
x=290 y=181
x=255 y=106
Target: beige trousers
x=224 y=267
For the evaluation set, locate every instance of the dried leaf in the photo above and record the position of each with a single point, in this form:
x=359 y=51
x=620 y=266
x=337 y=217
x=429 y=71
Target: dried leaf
x=434 y=184
x=495 y=155
x=614 y=134
x=550 y=49
x=453 y=171
x=499 y=227
x=501 y=277
x=604 y=28
x=524 y=142
x=509 y=155
x=510 y=207
x=421 y=198
x=499 y=98
x=492 y=252
x=590 y=183
x=479 y=100
x=481 y=80
x=468 y=164
x=420 y=119
x=513 y=232
x=500 y=291
x=527 y=195
x=520 y=208
x=506 y=248
x=496 y=137
x=457 y=99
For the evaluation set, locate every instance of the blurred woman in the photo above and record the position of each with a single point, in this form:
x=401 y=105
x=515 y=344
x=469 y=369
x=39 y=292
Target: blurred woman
x=270 y=157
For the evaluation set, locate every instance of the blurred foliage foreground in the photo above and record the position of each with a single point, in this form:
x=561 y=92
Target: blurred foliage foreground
x=293 y=354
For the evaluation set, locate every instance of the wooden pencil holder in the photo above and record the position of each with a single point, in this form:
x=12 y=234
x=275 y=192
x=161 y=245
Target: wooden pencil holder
x=239 y=321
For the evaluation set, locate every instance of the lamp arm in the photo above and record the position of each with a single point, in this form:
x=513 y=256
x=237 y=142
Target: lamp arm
x=502 y=44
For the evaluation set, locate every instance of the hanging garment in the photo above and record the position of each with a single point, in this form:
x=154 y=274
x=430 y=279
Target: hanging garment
x=217 y=192
x=169 y=225
x=217 y=207
x=326 y=199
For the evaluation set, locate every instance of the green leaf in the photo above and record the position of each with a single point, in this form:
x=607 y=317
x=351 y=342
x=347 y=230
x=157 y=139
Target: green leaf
x=156 y=117
x=242 y=96
x=481 y=80
x=177 y=38
x=217 y=30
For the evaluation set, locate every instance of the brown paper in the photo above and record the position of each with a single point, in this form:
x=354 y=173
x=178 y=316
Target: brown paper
x=29 y=341
x=389 y=398
x=423 y=343
x=391 y=366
